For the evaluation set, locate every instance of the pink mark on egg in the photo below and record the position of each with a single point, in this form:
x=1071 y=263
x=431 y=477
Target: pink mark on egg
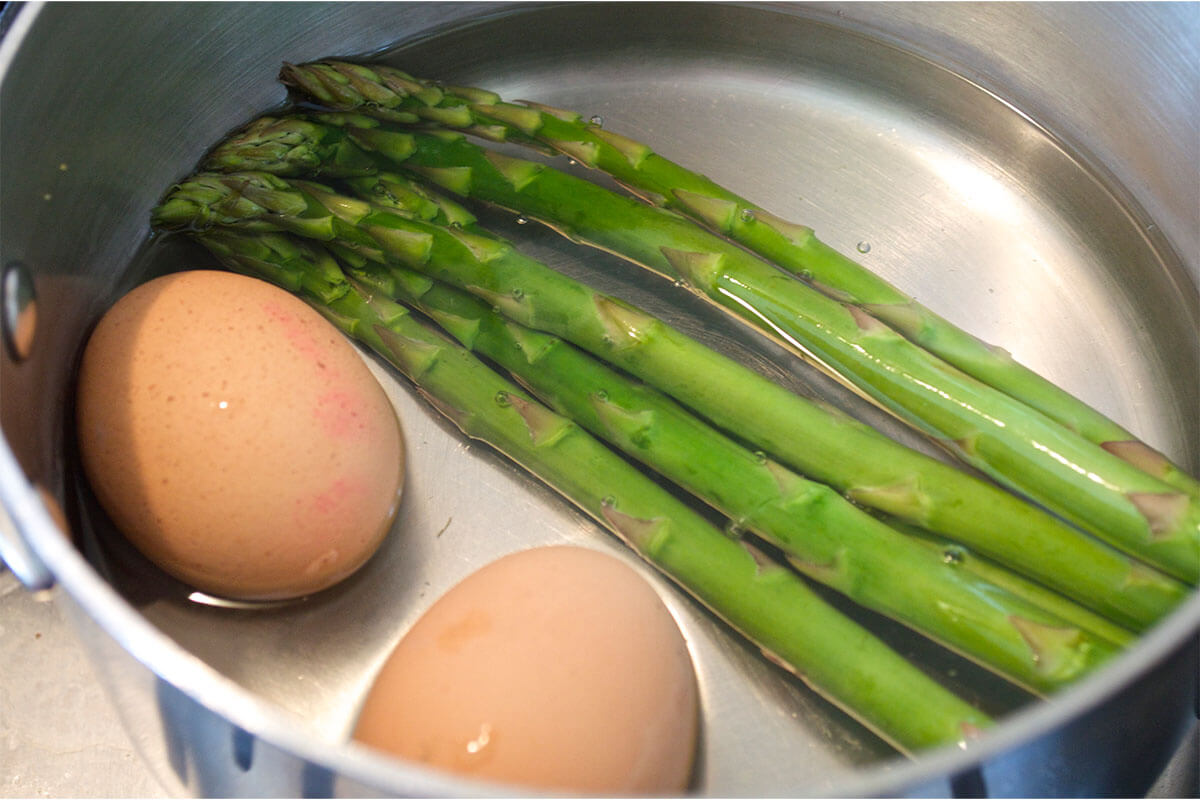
x=337 y=496
x=336 y=411
x=297 y=333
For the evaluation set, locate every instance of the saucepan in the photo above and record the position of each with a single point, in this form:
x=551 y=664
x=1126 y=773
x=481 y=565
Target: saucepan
x=1029 y=170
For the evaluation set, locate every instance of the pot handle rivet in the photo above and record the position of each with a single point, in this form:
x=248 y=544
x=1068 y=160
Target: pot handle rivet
x=18 y=310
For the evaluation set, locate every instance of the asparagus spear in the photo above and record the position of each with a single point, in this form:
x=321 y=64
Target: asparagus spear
x=764 y=601
x=958 y=557
x=814 y=439
x=824 y=535
x=985 y=428
x=392 y=94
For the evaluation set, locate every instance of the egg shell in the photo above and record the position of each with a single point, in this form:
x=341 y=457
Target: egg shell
x=558 y=668
x=236 y=437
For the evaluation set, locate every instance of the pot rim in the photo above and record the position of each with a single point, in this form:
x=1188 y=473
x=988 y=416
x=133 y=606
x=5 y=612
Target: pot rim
x=290 y=732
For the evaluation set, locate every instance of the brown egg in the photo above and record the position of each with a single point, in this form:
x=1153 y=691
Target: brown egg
x=557 y=668
x=236 y=437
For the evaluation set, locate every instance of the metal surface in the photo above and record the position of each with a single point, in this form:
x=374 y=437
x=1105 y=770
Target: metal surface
x=978 y=166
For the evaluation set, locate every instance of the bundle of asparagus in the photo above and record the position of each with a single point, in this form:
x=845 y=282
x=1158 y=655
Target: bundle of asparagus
x=766 y=602
x=987 y=428
x=391 y=94
x=868 y=467
x=824 y=536
x=512 y=310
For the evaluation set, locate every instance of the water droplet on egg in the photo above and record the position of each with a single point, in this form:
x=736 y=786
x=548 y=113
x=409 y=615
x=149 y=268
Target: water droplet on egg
x=476 y=745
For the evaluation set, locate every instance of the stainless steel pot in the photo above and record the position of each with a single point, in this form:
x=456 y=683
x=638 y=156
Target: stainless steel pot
x=1033 y=166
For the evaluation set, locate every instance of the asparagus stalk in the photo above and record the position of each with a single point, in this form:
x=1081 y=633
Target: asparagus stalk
x=767 y=603
x=958 y=557
x=392 y=94
x=824 y=535
x=1002 y=437
x=822 y=443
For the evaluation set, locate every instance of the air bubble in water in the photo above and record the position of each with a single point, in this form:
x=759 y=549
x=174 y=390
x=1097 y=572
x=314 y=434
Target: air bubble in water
x=597 y=120
x=863 y=247
x=747 y=214
x=522 y=221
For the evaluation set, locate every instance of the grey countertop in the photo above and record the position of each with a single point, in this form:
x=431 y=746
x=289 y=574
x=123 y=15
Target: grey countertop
x=59 y=733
